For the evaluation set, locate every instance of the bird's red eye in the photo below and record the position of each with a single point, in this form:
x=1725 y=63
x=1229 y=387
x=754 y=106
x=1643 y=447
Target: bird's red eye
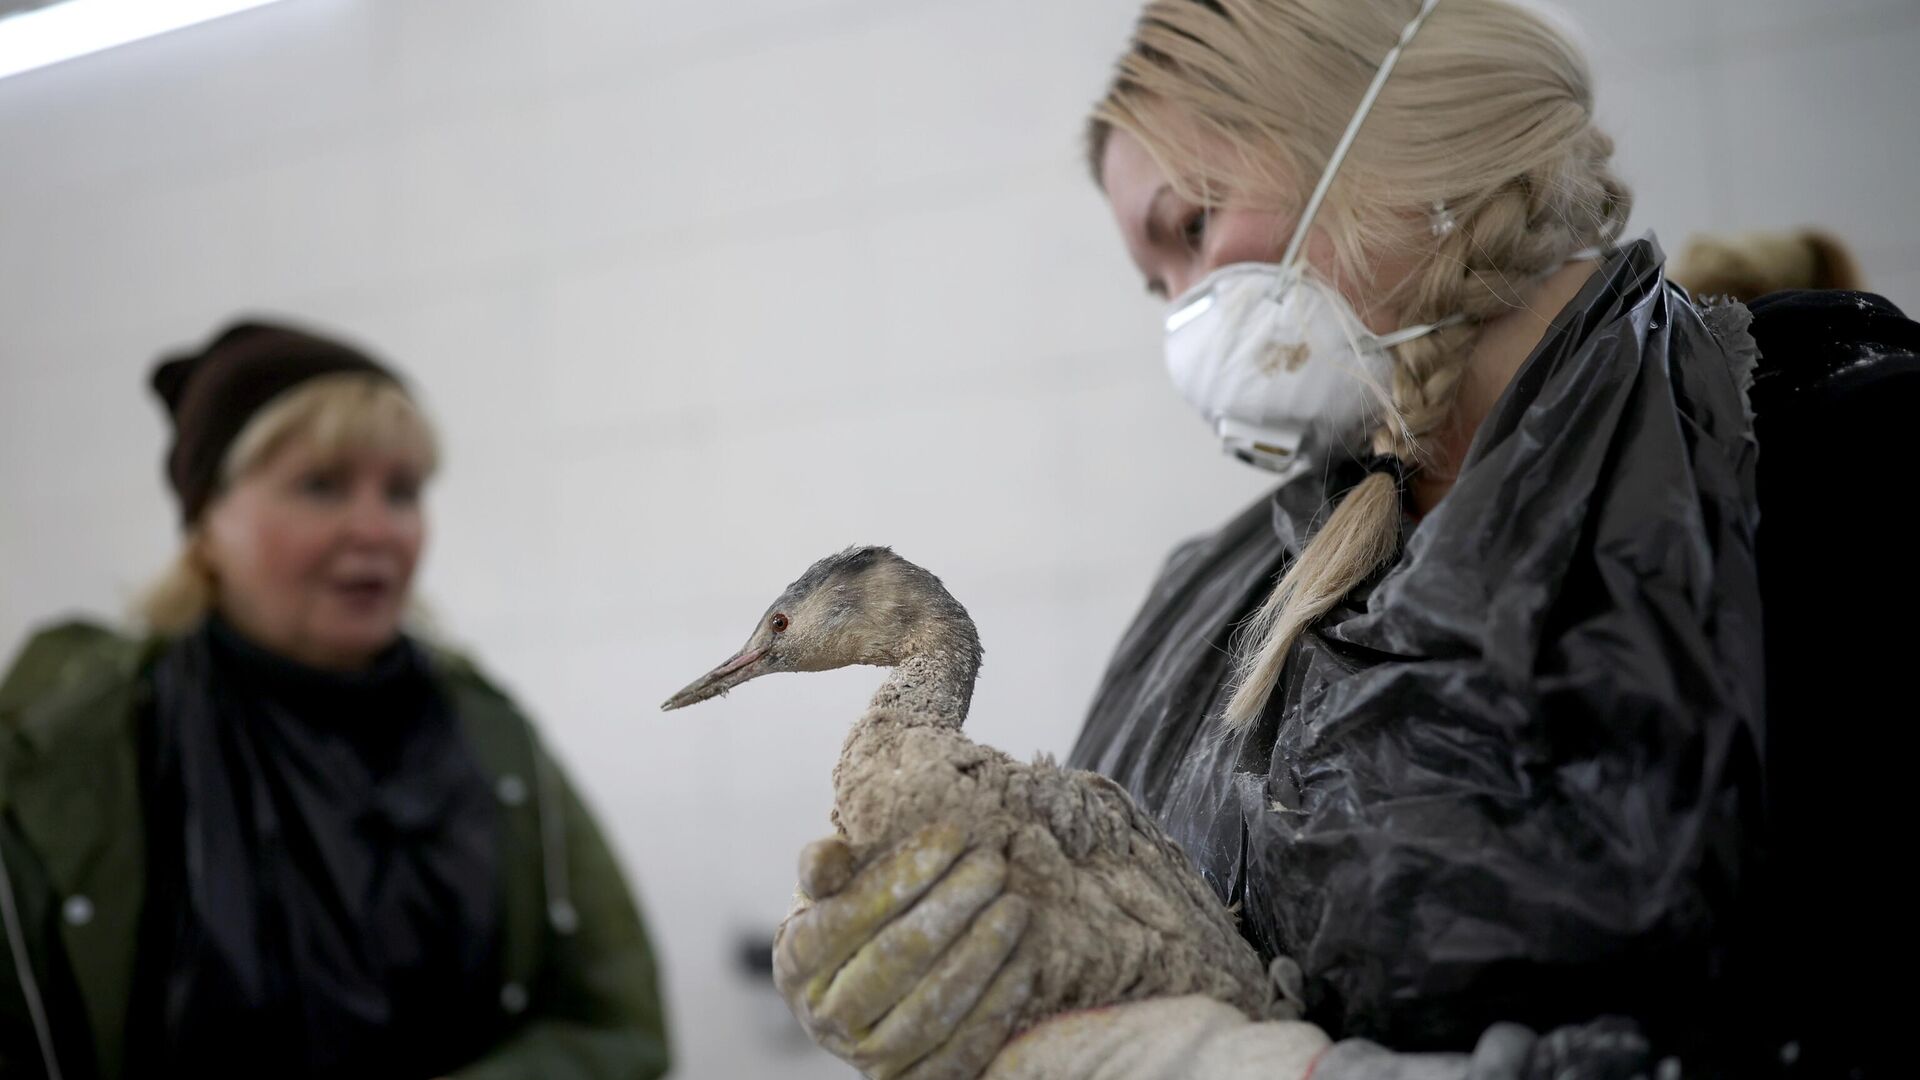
x=779 y=623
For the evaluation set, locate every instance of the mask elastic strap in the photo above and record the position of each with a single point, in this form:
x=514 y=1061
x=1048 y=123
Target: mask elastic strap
x=1414 y=333
x=1299 y=243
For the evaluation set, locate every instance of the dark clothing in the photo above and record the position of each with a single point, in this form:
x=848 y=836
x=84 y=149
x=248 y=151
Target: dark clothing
x=1519 y=776
x=116 y=929
x=1837 y=398
x=321 y=862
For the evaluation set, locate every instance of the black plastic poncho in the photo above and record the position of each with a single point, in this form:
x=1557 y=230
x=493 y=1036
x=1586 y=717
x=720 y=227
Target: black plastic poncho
x=1511 y=779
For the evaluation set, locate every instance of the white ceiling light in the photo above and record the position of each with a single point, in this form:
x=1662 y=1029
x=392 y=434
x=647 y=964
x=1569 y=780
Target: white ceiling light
x=63 y=31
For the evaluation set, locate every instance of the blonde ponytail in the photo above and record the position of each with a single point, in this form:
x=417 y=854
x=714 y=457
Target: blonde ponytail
x=1360 y=536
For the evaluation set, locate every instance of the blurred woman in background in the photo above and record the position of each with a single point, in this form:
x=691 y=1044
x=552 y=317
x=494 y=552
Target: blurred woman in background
x=277 y=835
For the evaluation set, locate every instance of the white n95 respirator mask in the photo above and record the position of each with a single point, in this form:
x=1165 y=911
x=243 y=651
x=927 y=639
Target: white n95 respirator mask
x=1273 y=356
x=1278 y=362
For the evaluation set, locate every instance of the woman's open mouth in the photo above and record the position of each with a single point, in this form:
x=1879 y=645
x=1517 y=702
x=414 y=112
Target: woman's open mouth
x=364 y=592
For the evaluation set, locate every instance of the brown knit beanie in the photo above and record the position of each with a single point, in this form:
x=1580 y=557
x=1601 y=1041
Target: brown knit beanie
x=213 y=393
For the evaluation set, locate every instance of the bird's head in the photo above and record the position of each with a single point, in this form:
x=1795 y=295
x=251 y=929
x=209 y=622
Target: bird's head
x=865 y=605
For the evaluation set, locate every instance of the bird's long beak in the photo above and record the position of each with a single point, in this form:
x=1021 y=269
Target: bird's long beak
x=742 y=666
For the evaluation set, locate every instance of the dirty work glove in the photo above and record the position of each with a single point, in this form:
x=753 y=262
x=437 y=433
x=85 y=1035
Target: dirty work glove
x=1197 y=1038
x=900 y=966
x=1174 y=1038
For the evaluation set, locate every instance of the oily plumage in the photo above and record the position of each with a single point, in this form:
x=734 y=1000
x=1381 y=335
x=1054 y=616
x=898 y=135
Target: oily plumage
x=1118 y=913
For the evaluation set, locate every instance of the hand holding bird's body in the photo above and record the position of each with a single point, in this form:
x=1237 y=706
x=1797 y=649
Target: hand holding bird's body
x=1048 y=880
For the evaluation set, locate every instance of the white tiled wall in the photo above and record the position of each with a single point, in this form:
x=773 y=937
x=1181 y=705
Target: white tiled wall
x=700 y=292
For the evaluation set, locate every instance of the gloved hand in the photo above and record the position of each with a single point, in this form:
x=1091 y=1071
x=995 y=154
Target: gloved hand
x=901 y=966
x=1197 y=1038
x=1176 y=1038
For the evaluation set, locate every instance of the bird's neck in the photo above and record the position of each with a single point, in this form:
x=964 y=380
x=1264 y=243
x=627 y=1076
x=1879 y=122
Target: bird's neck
x=934 y=684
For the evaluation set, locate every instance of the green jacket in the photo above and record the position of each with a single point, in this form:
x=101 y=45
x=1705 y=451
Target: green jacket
x=578 y=997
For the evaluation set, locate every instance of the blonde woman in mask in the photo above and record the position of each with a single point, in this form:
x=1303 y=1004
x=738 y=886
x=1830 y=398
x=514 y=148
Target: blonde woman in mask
x=1468 y=719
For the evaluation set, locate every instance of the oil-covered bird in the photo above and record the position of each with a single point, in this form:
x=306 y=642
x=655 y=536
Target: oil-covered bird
x=1117 y=911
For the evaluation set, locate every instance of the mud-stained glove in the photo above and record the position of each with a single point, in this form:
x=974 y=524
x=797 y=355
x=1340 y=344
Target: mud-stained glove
x=900 y=966
x=1197 y=1038
x=1175 y=1038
